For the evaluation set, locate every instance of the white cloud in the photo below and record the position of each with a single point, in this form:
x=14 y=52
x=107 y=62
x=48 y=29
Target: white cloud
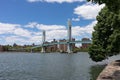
x=89 y=28
x=50 y=27
x=75 y=19
x=44 y=27
x=34 y=0
x=15 y=39
x=15 y=29
x=57 y=1
x=88 y=11
x=22 y=32
x=36 y=39
x=56 y=34
x=31 y=25
x=25 y=36
x=52 y=31
x=77 y=30
x=37 y=33
x=22 y=41
x=11 y=30
x=7 y=28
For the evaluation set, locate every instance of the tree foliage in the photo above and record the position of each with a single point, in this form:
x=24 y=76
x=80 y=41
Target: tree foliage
x=113 y=5
x=106 y=37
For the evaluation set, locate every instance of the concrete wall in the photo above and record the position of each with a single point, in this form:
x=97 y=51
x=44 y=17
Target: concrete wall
x=111 y=72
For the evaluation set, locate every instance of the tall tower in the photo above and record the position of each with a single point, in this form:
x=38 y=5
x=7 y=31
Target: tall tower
x=43 y=41
x=69 y=46
x=69 y=30
x=43 y=37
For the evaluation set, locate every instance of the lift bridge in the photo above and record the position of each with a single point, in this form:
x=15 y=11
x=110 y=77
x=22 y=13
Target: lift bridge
x=69 y=42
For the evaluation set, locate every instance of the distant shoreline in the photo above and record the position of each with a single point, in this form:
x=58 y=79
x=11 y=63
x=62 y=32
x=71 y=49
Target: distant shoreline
x=37 y=52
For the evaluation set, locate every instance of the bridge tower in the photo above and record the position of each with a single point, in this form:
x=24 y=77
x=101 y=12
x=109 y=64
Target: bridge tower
x=69 y=46
x=43 y=41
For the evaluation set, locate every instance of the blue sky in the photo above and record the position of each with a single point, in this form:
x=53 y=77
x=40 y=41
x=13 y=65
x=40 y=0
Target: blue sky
x=22 y=21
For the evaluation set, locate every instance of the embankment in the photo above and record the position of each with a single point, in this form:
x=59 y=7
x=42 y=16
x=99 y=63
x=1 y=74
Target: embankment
x=111 y=71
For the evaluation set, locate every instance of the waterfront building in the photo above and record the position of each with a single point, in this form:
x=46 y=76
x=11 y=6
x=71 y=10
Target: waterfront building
x=85 y=45
x=52 y=48
x=1 y=48
x=63 y=47
x=47 y=48
x=73 y=44
x=58 y=47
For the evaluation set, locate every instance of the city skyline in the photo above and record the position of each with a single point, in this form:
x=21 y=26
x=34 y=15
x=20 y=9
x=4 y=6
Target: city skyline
x=23 y=21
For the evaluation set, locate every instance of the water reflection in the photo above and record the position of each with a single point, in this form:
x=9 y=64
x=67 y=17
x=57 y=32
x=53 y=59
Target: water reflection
x=95 y=71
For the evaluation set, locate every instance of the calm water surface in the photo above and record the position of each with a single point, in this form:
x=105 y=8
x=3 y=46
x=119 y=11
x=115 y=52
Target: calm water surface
x=36 y=66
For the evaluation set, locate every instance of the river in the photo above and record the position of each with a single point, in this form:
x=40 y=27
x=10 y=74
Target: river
x=52 y=66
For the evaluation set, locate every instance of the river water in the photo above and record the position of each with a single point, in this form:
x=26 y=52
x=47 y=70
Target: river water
x=52 y=66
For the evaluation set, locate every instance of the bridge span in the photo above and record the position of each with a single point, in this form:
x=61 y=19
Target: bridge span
x=69 y=41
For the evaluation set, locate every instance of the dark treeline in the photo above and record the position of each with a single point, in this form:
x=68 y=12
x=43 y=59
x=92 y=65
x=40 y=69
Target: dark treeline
x=27 y=48
x=18 y=48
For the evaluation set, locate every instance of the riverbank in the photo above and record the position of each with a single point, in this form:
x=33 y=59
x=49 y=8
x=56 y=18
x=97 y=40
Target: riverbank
x=111 y=72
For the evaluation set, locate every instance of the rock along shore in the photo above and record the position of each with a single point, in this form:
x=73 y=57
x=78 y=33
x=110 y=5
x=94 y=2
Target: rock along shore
x=111 y=71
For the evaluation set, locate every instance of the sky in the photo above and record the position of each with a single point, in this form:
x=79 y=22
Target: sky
x=22 y=21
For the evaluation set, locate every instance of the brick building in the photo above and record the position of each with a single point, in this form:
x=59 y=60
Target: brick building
x=73 y=44
x=63 y=47
x=52 y=48
x=58 y=47
x=85 y=45
x=1 y=48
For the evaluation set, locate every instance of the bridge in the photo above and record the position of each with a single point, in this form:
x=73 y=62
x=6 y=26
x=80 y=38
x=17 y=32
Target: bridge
x=55 y=43
x=69 y=41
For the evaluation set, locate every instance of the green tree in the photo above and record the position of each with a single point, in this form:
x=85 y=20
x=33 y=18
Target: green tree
x=6 y=47
x=113 y=5
x=15 y=45
x=106 y=37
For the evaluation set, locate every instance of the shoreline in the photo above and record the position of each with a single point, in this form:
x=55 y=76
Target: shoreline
x=40 y=52
x=111 y=71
